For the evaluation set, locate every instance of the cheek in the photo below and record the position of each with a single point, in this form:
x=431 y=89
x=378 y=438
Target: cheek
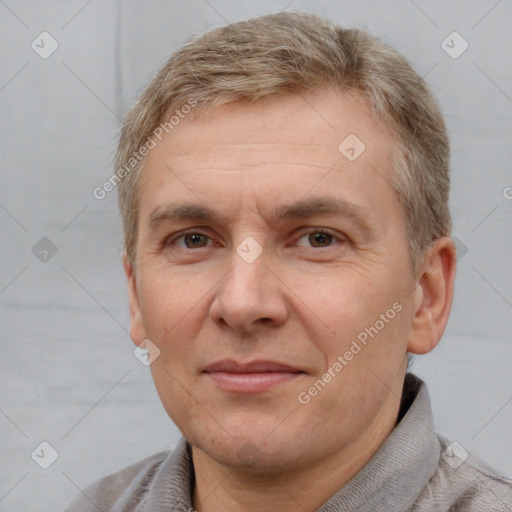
x=169 y=300
x=358 y=317
x=341 y=302
x=172 y=384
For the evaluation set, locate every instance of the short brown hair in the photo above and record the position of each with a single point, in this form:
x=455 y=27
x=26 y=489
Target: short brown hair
x=285 y=53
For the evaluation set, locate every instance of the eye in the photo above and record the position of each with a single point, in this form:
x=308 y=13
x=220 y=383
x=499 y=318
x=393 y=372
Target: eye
x=319 y=238
x=189 y=241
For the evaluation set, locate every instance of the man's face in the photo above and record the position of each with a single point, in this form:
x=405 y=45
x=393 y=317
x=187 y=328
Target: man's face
x=252 y=305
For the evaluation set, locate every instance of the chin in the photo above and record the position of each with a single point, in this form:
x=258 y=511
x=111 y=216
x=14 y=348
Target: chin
x=255 y=451
x=250 y=457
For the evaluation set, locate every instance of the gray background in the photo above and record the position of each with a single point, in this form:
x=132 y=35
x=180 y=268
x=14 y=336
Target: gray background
x=68 y=375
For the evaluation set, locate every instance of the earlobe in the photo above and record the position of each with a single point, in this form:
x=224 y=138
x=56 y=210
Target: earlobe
x=137 y=330
x=433 y=297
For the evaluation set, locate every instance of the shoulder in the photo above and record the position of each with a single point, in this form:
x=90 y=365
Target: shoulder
x=464 y=483
x=129 y=485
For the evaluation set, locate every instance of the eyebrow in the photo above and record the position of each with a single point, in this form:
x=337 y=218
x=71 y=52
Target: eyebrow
x=303 y=208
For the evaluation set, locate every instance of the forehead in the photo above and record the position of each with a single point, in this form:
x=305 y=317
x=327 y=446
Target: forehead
x=311 y=121
x=275 y=150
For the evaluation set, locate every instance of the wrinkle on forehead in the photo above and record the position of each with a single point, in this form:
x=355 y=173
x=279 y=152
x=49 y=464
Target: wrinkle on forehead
x=233 y=157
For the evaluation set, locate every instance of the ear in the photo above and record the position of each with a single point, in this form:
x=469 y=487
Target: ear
x=433 y=296
x=137 y=329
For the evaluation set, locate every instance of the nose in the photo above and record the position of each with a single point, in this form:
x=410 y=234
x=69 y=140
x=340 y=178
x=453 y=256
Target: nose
x=250 y=296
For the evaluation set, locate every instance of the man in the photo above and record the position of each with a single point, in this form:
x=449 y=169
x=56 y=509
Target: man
x=284 y=186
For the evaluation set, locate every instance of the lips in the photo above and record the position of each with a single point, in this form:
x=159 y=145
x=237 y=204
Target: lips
x=260 y=366
x=251 y=377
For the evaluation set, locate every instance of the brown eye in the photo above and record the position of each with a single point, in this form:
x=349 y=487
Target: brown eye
x=320 y=239
x=195 y=240
x=317 y=238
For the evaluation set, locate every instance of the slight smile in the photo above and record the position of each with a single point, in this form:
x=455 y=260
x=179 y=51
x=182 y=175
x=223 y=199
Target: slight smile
x=252 y=377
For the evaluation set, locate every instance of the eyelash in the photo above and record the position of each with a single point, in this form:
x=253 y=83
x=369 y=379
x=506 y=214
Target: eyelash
x=308 y=231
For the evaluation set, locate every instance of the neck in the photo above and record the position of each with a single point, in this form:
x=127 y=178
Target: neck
x=305 y=487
